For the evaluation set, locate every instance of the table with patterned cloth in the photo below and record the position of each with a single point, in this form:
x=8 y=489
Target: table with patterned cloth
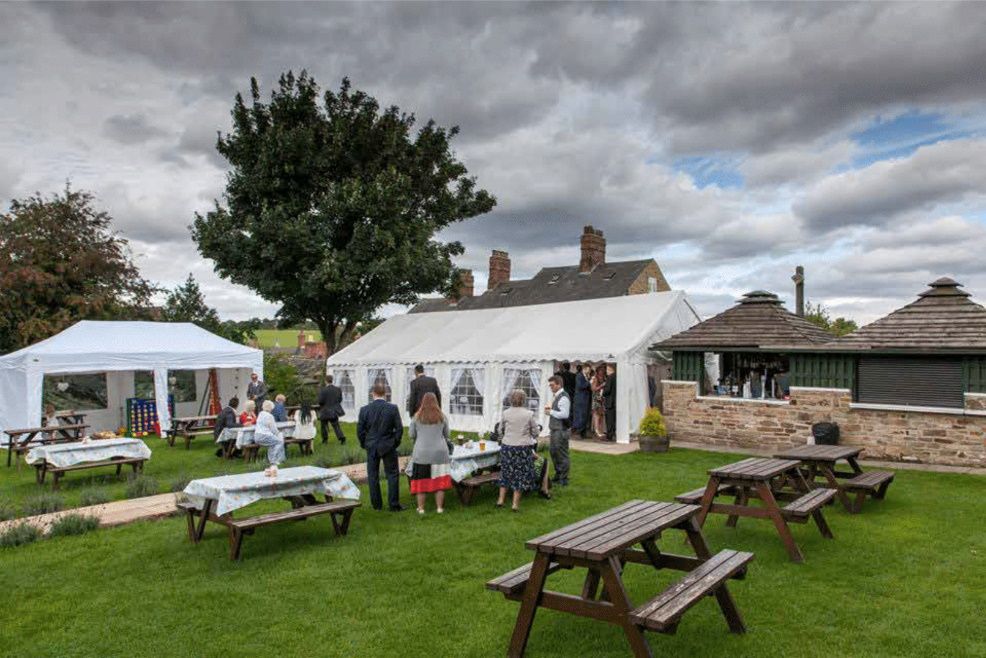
x=243 y=436
x=62 y=455
x=466 y=460
x=228 y=493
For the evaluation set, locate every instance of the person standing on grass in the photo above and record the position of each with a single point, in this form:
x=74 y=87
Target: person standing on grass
x=430 y=472
x=267 y=434
x=257 y=391
x=330 y=410
x=379 y=430
x=421 y=385
x=609 y=401
x=559 y=412
x=597 y=384
x=581 y=411
x=519 y=429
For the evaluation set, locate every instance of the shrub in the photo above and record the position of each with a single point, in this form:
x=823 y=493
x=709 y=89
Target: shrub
x=141 y=485
x=7 y=510
x=324 y=461
x=93 y=496
x=73 y=524
x=19 y=534
x=652 y=424
x=43 y=503
x=179 y=482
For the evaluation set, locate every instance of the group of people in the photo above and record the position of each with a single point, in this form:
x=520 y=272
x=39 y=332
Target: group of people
x=592 y=390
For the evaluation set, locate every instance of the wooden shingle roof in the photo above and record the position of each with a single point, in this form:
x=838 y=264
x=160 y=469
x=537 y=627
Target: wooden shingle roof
x=942 y=319
x=758 y=321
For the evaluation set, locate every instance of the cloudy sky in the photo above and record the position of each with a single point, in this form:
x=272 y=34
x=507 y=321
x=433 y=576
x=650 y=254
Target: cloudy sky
x=730 y=142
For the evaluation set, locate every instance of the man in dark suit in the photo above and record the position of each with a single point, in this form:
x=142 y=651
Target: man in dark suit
x=609 y=401
x=420 y=385
x=567 y=379
x=379 y=430
x=330 y=409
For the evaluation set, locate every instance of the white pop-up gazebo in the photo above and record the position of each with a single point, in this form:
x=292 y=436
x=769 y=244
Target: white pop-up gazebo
x=120 y=349
x=479 y=356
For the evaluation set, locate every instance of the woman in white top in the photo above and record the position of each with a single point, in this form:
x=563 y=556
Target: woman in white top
x=304 y=422
x=268 y=435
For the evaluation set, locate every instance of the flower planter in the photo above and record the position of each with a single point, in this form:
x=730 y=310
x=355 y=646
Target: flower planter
x=653 y=443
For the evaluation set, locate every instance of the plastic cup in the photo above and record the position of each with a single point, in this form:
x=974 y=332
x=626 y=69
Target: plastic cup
x=482 y=446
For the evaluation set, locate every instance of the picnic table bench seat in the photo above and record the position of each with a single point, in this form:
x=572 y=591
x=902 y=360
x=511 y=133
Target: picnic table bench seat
x=466 y=488
x=873 y=483
x=694 y=497
x=305 y=445
x=137 y=463
x=512 y=583
x=664 y=611
x=801 y=508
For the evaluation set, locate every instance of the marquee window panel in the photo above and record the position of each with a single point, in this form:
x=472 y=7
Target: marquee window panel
x=466 y=395
x=525 y=379
x=378 y=376
x=344 y=380
x=78 y=392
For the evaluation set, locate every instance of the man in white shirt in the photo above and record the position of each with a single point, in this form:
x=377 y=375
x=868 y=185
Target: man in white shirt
x=559 y=424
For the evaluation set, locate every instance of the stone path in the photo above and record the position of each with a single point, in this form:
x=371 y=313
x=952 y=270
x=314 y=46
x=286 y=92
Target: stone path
x=120 y=512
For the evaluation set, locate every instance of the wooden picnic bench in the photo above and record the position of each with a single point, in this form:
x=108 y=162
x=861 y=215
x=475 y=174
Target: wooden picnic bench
x=820 y=461
x=43 y=468
x=304 y=507
x=603 y=545
x=772 y=481
x=189 y=427
x=49 y=434
x=467 y=488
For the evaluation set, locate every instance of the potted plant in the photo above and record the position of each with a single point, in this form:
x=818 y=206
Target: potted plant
x=652 y=434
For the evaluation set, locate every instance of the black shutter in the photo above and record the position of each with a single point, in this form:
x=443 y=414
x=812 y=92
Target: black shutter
x=919 y=381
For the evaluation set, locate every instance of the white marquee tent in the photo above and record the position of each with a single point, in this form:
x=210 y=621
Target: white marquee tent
x=120 y=349
x=479 y=356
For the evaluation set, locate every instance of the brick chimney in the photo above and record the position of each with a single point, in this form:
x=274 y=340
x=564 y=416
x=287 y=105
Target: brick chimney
x=799 y=291
x=302 y=339
x=593 y=249
x=499 y=269
x=465 y=287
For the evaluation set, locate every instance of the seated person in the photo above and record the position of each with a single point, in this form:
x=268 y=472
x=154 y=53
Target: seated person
x=249 y=415
x=268 y=435
x=226 y=419
x=279 y=412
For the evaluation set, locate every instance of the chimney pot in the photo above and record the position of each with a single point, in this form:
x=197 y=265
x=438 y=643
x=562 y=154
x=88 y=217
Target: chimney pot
x=499 y=269
x=593 y=249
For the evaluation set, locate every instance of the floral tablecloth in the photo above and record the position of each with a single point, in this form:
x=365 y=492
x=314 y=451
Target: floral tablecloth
x=244 y=435
x=465 y=459
x=61 y=455
x=232 y=492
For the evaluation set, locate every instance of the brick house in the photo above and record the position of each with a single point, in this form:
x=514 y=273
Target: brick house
x=592 y=278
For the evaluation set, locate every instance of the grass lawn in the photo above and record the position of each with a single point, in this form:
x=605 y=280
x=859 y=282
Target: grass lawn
x=905 y=577
x=286 y=338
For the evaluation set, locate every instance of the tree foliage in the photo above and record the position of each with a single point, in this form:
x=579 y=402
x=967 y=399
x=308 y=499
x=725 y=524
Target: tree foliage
x=60 y=263
x=332 y=205
x=819 y=316
x=186 y=303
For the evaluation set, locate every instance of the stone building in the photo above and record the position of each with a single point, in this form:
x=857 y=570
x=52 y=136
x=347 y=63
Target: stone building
x=910 y=386
x=592 y=278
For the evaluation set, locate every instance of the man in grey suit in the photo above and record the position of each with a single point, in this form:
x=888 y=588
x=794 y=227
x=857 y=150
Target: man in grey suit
x=559 y=423
x=420 y=385
x=257 y=391
x=330 y=409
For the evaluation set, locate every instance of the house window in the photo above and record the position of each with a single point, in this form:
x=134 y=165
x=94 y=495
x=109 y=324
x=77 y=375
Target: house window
x=466 y=396
x=527 y=380
x=344 y=380
x=77 y=392
x=915 y=381
x=377 y=376
x=652 y=284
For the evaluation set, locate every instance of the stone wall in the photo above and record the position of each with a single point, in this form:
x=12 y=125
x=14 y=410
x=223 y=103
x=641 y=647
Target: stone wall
x=954 y=438
x=641 y=285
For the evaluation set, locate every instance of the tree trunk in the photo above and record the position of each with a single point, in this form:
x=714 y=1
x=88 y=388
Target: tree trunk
x=328 y=329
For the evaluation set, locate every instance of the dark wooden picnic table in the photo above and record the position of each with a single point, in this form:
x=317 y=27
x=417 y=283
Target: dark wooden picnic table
x=188 y=427
x=68 y=417
x=49 y=434
x=770 y=481
x=602 y=545
x=820 y=461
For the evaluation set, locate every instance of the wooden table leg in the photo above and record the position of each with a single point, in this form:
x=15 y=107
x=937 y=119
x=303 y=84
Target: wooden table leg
x=774 y=513
x=834 y=484
x=206 y=511
x=591 y=585
x=694 y=536
x=528 y=606
x=707 y=499
x=741 y=500
x=617 y=595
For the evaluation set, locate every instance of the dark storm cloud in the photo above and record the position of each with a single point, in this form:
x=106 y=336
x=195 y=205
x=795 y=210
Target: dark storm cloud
x=131 y=129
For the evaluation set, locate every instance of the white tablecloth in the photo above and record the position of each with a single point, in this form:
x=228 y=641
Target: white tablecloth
x=464 y=460
x=244 y=435
x=235 y=491
x=69 y=454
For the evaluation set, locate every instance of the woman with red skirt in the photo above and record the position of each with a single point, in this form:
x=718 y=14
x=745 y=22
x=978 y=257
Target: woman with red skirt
x=430 y=471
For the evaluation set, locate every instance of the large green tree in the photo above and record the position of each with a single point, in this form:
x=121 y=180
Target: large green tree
x=818 y=315
x=333 y=204
x=60 y=262
x=186 y=303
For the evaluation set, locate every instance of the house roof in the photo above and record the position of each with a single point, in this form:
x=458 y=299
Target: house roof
x=758 y=321
x=598 y=330
x=943 y=318
x=550 y=285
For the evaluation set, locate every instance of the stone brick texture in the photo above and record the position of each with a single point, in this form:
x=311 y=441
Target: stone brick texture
x=640 y=286
x=913 y=436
